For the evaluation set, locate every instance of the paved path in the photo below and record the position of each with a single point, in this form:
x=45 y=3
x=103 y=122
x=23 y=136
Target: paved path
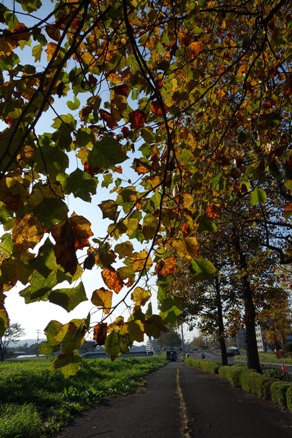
x=182 y=402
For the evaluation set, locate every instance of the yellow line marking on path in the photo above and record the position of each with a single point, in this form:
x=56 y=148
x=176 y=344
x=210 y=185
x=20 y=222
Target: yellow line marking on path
x=184 y=419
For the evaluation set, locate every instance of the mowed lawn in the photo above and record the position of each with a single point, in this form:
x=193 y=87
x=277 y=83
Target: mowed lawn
x=35 y=402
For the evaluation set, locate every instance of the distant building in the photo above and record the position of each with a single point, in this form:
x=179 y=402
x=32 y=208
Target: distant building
x=241 y=339
x=152 y=345
x=261 y=343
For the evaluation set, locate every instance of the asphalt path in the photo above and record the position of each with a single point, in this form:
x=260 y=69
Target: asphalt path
x=183 y=402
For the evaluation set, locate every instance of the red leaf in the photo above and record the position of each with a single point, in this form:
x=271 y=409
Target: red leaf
x=121 y=90
x=99 y=333
x=137 y=119
x=108 y=118
x=157 y=108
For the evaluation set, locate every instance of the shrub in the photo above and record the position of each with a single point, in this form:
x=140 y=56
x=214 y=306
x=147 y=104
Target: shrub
x=246 y=380
x=289 y=398
x=278 y=393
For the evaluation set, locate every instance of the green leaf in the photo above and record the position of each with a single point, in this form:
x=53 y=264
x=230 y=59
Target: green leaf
x=4 y=321
x=202 y=269
x=170 y=309
x=51 y=345
x=69 y=363
x=30 y=5
x=51 y=211
x=109 y=209
x=257 y=195
x=37 y=51
x=46 y=275
x=71 y=335
x=124 y=249
x=154 y=325
x=81 y=185
x=136 y=331
x=68 y=298
x=51 y=160
x=73 y=105
x=205 y=224
x=106 y=153
x=117 y=343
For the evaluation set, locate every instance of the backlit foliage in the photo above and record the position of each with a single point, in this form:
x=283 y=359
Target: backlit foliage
x=191 y=97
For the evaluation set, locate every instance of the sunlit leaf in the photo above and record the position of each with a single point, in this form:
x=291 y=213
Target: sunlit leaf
x=166 y=266
x=202 y=268
x=69 y=363
x=102 y=298
x=258 y=196
x=112 y=279
x=27 y=232
x=140 y=296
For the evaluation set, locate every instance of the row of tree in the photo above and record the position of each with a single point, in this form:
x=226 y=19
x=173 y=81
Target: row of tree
x=250 y=286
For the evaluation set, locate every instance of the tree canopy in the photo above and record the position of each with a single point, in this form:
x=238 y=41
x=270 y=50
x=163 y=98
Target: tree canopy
x=170 y=106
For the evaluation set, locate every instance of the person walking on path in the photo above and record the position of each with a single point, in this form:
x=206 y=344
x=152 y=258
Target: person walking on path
x=182 y=402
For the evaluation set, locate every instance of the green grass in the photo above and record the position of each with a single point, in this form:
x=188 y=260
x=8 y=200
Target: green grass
x=268 y=357
x=36 y=402
x=272 y=358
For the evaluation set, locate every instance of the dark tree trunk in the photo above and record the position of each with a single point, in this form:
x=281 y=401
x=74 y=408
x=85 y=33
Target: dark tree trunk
x=221 y=333
x=253 y=361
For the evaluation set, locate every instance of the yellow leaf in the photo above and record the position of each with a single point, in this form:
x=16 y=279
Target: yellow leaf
x=27 y=232
x=102 y=298
x=50 y=50
x=140 y=261
x=140 y=296
x=114 y=78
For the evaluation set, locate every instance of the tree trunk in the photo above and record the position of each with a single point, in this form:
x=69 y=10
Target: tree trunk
x=221 y=333
x=253 y=361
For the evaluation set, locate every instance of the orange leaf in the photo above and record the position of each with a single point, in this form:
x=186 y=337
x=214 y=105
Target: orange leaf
x=118 y=169
x=99 y=333
x=140 y=168
x=288 y=207
x=166 y=267
x=81 y=230
x=185 y=229
x=196 y=47
x=112 y=279
x=137 y=119
x=213 y=210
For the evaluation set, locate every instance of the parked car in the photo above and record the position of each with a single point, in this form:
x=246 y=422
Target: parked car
x=233 y=351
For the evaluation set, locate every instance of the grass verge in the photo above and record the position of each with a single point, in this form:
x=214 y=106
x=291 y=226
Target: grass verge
x=36 y=402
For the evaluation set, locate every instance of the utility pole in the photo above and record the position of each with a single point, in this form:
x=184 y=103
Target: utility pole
x=38 y=339
x=182 y=341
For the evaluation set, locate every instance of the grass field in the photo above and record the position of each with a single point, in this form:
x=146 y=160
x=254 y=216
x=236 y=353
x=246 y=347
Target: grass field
x=36 y=402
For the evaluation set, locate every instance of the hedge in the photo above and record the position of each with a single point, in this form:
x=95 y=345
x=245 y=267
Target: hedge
x=249 y=380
